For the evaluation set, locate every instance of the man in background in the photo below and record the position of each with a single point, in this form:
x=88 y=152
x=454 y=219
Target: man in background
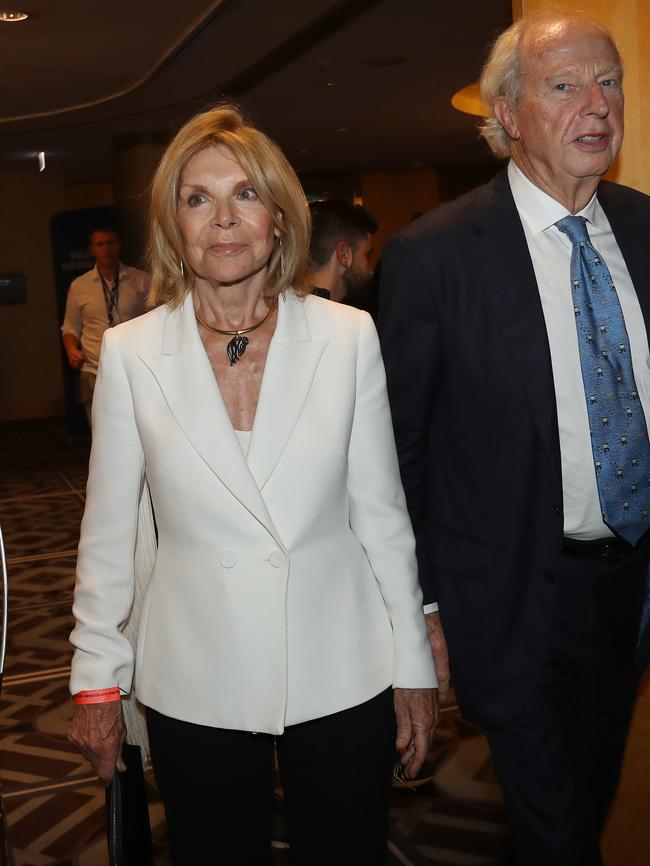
x=340 y=251
x=108 y=294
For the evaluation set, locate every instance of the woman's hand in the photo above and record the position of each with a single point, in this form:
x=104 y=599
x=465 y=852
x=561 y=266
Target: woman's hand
x=98 y=730
x=417 y=716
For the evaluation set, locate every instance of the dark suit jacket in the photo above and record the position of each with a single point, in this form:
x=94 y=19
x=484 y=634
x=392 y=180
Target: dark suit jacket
x=473 y=402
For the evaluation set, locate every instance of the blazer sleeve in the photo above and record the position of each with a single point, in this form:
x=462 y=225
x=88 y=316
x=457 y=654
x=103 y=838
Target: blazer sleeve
x=104 y=588
x=410 y=343
x=379 y=517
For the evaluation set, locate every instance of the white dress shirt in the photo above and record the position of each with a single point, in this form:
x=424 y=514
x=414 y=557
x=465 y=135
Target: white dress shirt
x=550 y=251
x=85 y=309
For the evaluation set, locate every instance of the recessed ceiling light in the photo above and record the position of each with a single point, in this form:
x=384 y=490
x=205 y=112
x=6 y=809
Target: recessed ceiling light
x=9 y=17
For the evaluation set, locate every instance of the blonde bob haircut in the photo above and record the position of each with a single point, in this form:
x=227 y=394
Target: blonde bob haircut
x=502 y=74
x=274 y=180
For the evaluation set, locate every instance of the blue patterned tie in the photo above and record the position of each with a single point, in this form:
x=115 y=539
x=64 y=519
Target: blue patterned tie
x=619 y=436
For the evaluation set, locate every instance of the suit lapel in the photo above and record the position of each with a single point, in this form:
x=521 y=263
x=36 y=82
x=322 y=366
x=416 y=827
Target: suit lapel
x=506 y=271
x=187 y=381
x=291 y=364
x=631 y=233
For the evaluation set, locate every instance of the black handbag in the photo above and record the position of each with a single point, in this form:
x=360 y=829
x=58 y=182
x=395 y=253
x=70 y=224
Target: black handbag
x=128 y=830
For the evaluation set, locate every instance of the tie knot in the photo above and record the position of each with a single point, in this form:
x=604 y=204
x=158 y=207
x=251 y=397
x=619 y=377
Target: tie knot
x=575 y=227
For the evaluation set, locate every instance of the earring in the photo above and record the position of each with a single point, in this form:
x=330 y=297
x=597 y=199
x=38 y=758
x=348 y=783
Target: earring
x=182 y=268
x=281 y=257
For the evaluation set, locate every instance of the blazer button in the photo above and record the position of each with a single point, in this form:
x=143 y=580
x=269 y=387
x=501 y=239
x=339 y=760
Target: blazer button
x=276 y=558
x=228 y=559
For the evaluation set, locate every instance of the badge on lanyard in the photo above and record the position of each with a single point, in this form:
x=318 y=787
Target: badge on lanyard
x=111 y=296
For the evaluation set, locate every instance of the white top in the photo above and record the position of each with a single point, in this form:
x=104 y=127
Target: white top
x=550 y=251
x=244 y=439
x=85 y=308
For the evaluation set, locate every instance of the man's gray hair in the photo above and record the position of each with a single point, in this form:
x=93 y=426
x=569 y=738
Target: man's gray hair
x=502 y=76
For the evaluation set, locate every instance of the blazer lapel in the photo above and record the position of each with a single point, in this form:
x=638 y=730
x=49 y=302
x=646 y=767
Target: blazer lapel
x=185 y=376
x=507 y=273
x=291 y=364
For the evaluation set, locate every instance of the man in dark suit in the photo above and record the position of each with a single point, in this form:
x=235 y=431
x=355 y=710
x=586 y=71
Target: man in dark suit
x=514 y=327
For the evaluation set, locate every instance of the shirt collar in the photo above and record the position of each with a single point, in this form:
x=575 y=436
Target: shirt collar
x=123 y=272
x=540 y=211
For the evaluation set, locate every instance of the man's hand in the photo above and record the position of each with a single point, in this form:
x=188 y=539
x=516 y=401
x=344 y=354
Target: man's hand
x=440 y=655
x=73 y=350
x=75 y=358
x=416 y=711
x=98 y=730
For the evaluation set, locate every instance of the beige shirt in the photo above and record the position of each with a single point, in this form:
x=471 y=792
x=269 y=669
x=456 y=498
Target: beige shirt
x=85 y=310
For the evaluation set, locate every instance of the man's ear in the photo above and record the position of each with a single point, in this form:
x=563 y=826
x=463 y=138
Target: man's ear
x=506 y=116
x=344 y=254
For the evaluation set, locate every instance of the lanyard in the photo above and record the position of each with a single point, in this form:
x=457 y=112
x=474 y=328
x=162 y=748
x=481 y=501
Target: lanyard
x=111 y=295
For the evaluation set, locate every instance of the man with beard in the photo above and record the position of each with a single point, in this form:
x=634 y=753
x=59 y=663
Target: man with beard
x=340 y=251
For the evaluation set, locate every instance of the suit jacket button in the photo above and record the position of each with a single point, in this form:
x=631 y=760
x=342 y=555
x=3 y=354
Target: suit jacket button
x=276 y=558
x=228 y=559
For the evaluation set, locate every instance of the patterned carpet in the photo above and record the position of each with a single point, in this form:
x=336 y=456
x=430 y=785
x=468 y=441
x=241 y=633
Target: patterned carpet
x=54 y=808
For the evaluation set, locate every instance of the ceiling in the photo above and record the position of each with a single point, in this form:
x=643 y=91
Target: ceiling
x=341 y=84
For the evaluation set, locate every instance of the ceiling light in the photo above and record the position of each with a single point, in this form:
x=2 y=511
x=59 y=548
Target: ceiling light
x=468 y=100
x=8 y=17
x=41 y=160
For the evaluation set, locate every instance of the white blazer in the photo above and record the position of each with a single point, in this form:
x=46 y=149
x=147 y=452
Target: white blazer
x=285 y=584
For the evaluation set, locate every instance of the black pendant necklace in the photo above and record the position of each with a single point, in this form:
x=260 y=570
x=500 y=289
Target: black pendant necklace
x=237 y=346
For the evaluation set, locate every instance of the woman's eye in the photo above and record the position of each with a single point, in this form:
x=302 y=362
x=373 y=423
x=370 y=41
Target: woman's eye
x=247 y=193
x=195 y=199
x=562 y=87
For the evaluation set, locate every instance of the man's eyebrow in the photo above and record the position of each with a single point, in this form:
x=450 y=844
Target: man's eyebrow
x=567 y=70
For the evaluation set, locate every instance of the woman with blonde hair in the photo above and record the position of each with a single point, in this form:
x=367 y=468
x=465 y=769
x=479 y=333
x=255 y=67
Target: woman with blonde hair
x=283 y=604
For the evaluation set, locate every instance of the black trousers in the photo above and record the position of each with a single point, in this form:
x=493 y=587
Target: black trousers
x=336 y=773
x=559 y=762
